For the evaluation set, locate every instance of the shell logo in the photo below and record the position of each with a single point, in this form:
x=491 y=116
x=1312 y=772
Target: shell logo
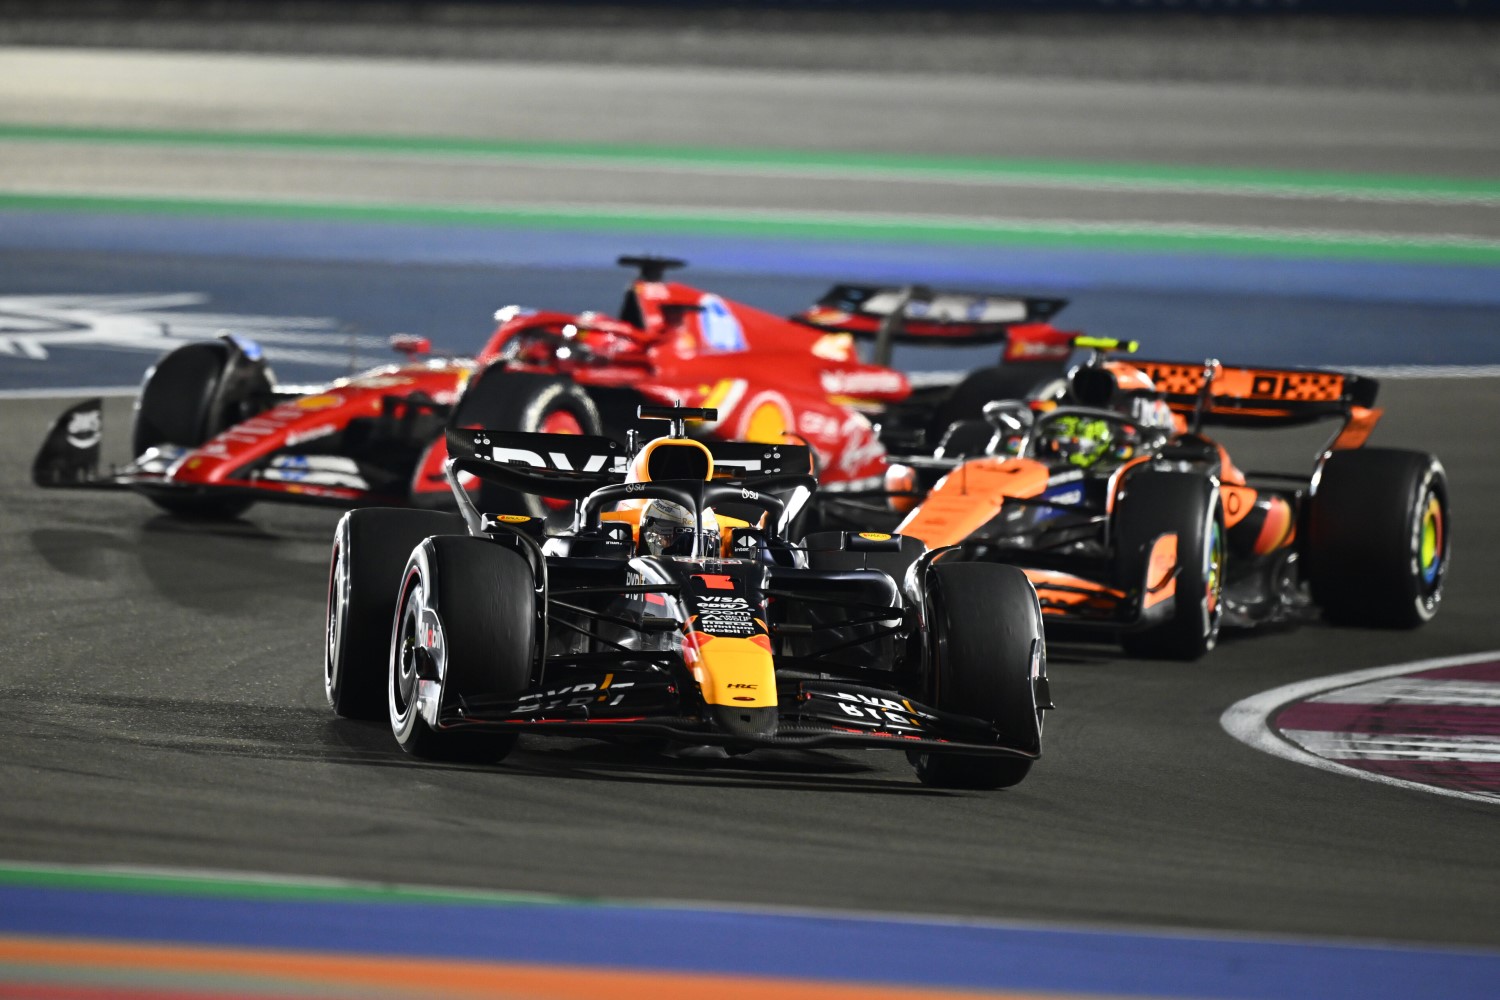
x=767 y=419
x=834 y=347
x=323 y=402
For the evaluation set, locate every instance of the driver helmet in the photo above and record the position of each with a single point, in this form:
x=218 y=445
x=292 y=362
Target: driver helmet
x=1082 y=439
x=667 y=529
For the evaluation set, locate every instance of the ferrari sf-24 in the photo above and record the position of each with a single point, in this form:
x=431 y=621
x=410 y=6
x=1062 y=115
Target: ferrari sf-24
x=213 y=432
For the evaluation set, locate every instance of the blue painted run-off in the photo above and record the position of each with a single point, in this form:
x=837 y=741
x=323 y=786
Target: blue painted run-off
x=370 y=280
x=831 y=948
x=1063 y=270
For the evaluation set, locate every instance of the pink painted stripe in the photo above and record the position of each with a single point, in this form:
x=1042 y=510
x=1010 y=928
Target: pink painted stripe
x=1488 y=671
x=1412 y=720
x=1461 y=776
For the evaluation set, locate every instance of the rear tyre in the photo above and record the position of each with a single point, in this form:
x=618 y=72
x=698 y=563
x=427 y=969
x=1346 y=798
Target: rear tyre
x=1150 y=505
x=985 y=385
x=966 y=439
x=989 y=656
x=189 y=396
x=1377 y=537
x=464 y=627
x=370 y=549
x=498 y=399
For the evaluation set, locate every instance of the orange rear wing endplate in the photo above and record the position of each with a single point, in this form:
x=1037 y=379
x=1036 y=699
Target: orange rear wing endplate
x=1252 y=396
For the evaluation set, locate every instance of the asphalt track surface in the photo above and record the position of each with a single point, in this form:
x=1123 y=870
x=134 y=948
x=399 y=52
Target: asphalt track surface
x=164 y=702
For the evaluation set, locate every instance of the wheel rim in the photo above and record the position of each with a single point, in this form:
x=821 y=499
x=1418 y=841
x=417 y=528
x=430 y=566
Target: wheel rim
x=560 y=422
x=1429 y=550
x=404 y=663
x=1430 y=540
x=338 y=602
x=1213 y=578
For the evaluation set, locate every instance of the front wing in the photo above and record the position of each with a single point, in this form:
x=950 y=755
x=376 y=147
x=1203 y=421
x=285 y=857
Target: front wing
x=69 y=459
x=811 y=714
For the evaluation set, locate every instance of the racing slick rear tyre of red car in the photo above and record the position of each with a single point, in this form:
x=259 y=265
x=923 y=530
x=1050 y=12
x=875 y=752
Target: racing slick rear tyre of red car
x=189 y=396
x=370 y=549
x=985 y=385
x=465 y=626
x=1153 y=504
x=989 y=658
x=533 y=404
x=1377 y=537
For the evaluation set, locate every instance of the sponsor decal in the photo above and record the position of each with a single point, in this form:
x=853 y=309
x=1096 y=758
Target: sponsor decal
x=875 y=536
x=721 y=329
x=1036 y=350
x=726 y=616
x=85 y=428
x=311 y=434
x=949 y=308
x=555 y=460
x=269 y=424
x=315 y=470
x=834 y=347
x=823 y=316
x=885 y=711
x=573 y=696
x=323 y=401
x=715 y=581
x=513 y=518
x=863 y=383
x=1068 y=496
x=818 y=425
x=861 y=446
x=380 y=382
x=765 y=418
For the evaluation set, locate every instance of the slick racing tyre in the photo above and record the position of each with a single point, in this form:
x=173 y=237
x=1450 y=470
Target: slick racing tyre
x=370 y=549
x=503 y=400
x=988 y=660
x=464 y=627
x=189 y=396
x=1150 y=505
x=1377 y=537
x=985 y=385
x=966 y=439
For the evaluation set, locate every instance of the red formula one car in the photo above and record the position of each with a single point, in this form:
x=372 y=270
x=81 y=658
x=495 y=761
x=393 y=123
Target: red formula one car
x=213 y=433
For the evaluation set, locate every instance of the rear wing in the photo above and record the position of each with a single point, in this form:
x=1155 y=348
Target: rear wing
x=1254 y=396
x=913 y=314
x=570 y=466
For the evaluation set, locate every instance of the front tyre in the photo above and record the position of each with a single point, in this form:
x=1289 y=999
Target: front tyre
x=988 y=660
x=1377 y=537
x=190 y=395
x=464 y=627
x=370 y=549
x=1153 y=504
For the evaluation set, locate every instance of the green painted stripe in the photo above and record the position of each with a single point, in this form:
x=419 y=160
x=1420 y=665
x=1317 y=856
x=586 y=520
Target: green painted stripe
x=230 y=886
x=813 y=226
x=971 y=169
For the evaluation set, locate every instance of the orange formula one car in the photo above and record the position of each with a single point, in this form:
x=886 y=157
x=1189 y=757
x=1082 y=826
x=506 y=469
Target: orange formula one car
x=1126 y=517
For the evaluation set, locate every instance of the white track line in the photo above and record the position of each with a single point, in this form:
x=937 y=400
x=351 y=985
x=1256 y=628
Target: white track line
x=70 y=392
